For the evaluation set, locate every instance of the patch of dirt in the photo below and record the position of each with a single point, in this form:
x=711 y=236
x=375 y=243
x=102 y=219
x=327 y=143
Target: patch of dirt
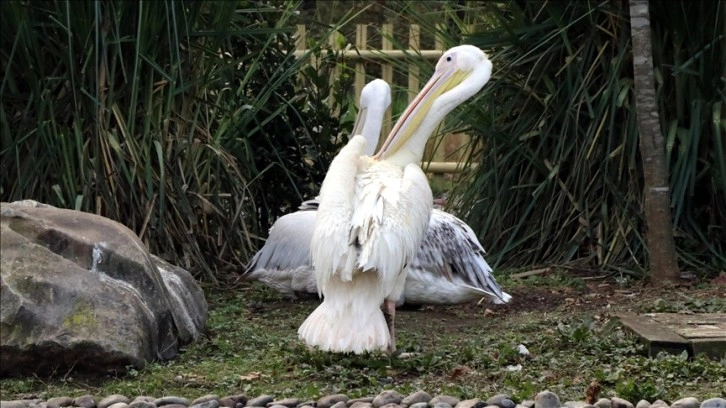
x=603 y=298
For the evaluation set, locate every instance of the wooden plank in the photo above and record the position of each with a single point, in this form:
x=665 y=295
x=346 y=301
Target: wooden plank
x=699 y=318
x=712 y=348
x=675 y=332
x=647 y=328
x=700 y=332
x=656 y=337
x=383 y=54
x=694 y=326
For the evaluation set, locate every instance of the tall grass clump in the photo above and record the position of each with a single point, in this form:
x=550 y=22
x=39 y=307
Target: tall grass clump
x=559 y=179
x=179 y=119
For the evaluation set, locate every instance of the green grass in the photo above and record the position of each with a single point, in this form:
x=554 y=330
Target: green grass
x=251 y=348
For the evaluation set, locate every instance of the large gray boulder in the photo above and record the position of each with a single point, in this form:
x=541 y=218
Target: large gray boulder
x=81 y=291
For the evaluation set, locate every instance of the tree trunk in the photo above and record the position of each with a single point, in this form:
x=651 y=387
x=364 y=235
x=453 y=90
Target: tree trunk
x=658 y=219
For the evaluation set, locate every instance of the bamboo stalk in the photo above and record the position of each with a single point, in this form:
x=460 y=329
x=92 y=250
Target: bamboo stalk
x=361 y=43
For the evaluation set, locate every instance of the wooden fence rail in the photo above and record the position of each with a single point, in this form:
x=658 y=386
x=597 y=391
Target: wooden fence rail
x=445 y=154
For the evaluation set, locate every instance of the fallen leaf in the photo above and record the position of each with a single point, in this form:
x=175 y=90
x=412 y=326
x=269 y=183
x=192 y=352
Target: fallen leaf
x=593 y=392
x=458 y=371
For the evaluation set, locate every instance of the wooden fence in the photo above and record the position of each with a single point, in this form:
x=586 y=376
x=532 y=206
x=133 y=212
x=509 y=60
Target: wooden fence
x=445 y=153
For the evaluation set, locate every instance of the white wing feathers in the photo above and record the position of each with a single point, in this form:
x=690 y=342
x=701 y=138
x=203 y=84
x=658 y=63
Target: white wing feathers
x=330 y=239
x=451 y=247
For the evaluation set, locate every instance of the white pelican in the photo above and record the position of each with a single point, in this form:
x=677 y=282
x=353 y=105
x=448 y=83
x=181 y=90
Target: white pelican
x=284 y=261
x=448 y=268
x=374 y=212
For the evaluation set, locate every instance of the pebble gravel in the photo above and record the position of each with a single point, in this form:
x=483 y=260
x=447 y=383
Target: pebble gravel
x=386 y=399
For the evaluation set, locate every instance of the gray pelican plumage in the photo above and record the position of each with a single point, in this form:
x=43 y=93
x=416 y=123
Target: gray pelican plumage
x=374 y=212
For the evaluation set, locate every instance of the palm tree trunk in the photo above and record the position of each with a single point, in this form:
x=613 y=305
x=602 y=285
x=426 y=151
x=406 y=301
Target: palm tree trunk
x=658 y=219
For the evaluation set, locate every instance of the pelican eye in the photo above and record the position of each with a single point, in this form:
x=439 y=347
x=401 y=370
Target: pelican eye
x=448 y=58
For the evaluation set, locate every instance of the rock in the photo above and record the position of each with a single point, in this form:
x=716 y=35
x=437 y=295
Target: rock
x=440 y=405
x=616 y=402
x=473 y=403
x=231 y=401
x=547 y=399
x=419 y=405
x=81 y=291
x=527 y=403
x=113 y=399
x=576 y=404
x=603 y=403
x=659 y=404
x=287 y=402
x=210 y=403
x=330 y=400
x=142 y=404
x=175 y=406
x=688 y=402
x=205 y=398
x=642 y=404
x=339 y=404
x=171 y=400
x=59 y=402
x=143 y=398
x=260 y=401
x=311 y=404
x=445 y=399
x=387 y=397
x=360 y=404
x=85 y=401
x=368 y=400
x=12 y=404
x=416 y=397
x=119 y=405
x=392 y=405
x=501 y=400
x=714 y=403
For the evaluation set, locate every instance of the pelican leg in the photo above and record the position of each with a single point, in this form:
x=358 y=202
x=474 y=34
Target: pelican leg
x=389 y=313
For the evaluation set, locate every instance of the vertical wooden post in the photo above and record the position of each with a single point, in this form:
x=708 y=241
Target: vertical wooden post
x=414 y=44
x=361 y=43
x=434 y=148
x=300 y=45
x=335 y=71
x=386 y=75
x=300 y=35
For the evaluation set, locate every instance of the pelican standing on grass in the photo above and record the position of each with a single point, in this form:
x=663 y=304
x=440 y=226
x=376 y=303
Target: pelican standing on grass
x=374 y=212
x=284 y=262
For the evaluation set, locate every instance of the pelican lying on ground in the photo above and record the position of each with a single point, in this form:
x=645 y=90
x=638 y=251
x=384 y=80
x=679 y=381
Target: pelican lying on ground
x=448 y=268
x=373 y=214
